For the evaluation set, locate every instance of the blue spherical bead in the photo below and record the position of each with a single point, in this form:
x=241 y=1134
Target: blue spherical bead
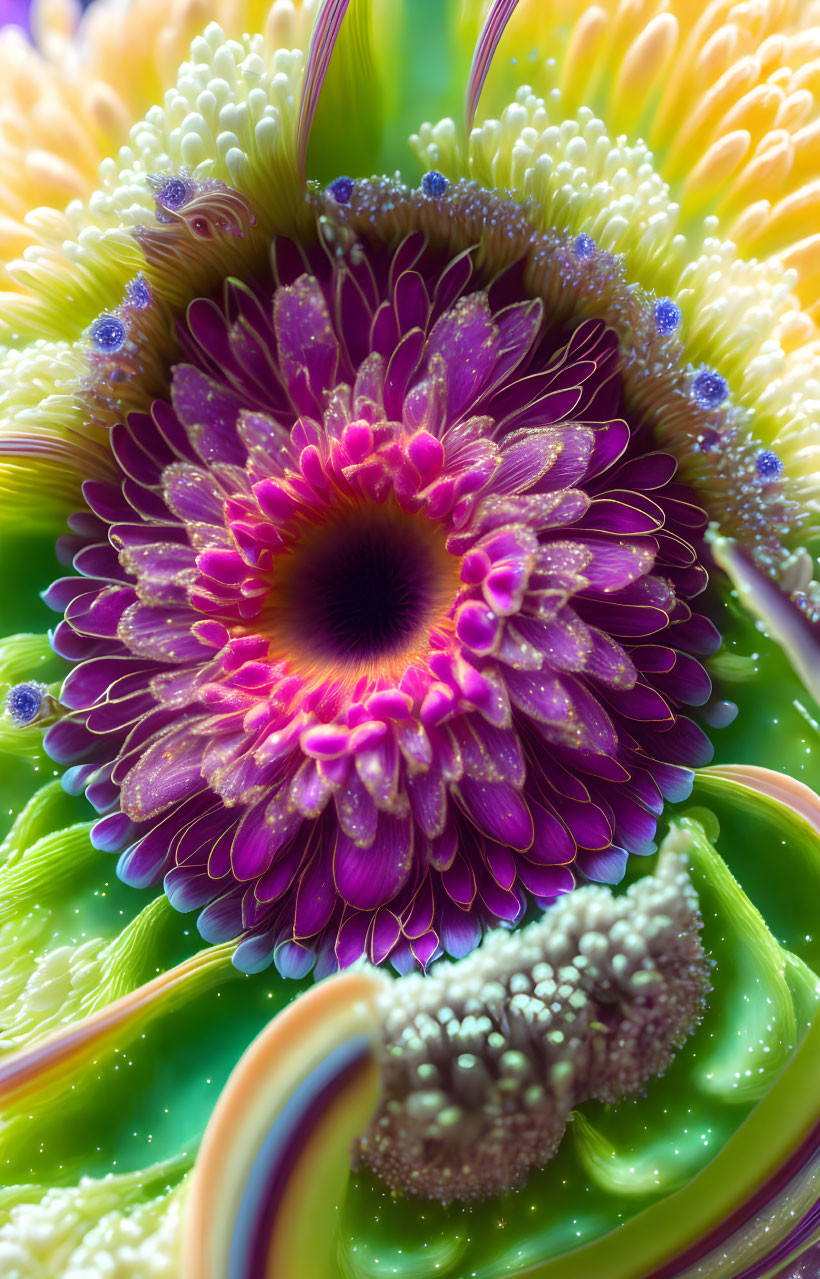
x=667 y=315
x=710 y=389
x=23 y=703
x=174 y=193
x=769 y=466
x=138 y=293
x=584 y=246
x=341 y=189
x=434 y=184
x=108 y=334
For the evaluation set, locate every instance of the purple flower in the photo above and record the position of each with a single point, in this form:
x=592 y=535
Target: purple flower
x=385 y=631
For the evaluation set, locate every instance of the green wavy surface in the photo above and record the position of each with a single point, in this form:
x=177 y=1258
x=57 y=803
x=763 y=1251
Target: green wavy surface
x=149 y=1100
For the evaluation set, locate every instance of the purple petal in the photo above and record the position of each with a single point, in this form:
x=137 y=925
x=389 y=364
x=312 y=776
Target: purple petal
x=552 y=844
x=350 y=943
x=253 y=845
x=606 y=867
x=292 y=960
x=167 y=772
x=163 y=634
x=545 y=881
x=254 y=954
x=100 y=614
x=458 y=882
x=498 y=810
x=144 y=862
x=188 y=889
x=464 y=338
x=315 y=898
x=427 y=947
x=209 y=411
x=525 y=457
x=69 y=742
x=112 y=833
x=222 y=920
x=384 y=935
x=308 y=350
x=460 y=932
x=367 y=878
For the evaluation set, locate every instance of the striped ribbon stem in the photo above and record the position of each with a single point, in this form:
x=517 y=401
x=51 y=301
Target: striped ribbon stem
x=790 y=792
x=322 y=41
x=31 y=1069
x=783 y=620
x=275 y=1157
x=488 y=41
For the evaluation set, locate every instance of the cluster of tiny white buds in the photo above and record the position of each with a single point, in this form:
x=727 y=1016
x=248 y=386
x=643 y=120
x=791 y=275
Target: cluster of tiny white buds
x=483 y=1060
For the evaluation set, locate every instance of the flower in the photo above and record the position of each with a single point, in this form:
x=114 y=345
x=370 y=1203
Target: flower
x=383 y=609
x=406 y=516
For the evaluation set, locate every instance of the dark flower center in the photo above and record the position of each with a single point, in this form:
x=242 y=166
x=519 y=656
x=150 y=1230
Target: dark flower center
x=362 y=587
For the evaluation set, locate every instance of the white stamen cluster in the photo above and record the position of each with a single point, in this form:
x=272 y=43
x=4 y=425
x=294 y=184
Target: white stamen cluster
x=484 y=1059
x=91 y=1230
x=740 y=316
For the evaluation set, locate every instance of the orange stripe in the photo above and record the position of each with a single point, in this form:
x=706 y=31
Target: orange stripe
x=289 y=1049
x=33 y=1067
x=786 y=790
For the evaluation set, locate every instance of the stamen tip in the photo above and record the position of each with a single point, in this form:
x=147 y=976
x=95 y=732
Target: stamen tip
x=583 y=246
x=434 y=184
x=25 y=703
x=769 y=466
x=138 y=293
x=341 y=189
x=710 y=388
x=667 y=316
x=108 y=334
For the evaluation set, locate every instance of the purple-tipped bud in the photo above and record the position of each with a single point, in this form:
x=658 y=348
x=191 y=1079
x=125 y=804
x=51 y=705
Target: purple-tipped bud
x=341 y=189
x=434 y=184
x=769 y=466
x=174 y=194
x=138 y=293
x=667 y=316
x=709 y=440
x=24 y=703
x=710 y=388
x=108 y=334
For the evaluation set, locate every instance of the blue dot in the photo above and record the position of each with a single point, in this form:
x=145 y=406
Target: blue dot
x=174 y=193
x=710 y=389
x=23 y=703
x=584 y=246
x=108 y=334
x=708 y=441
x=434 y=184
x=667 y=316
x=341 y=189
x=769 y=466
x=137 y=293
